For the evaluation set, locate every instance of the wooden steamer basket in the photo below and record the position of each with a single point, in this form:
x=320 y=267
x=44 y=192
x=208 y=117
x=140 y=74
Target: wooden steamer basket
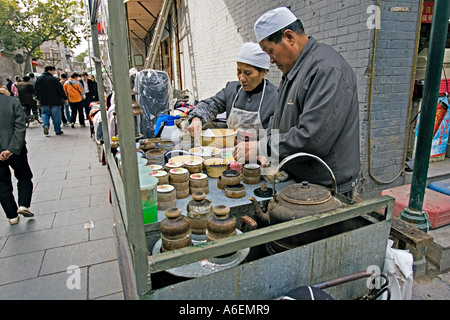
x=198 y=182
x=163 y=177
x=251 y=174
x=179 y=178
x=167 y=197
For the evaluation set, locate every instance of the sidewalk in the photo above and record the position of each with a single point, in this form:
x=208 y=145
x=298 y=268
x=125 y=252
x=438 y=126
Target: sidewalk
x=72 y=225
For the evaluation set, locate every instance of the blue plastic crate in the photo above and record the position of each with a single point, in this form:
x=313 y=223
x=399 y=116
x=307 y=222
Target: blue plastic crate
x=441 y=186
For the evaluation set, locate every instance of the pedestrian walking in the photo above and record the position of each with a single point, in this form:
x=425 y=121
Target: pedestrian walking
x=26 y=93
x=88 y=86
x=50 y=94
x=65 y=107
x=75 y=93
x=13 y=153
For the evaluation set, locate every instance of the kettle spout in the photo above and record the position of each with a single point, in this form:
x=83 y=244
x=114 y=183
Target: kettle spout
x=262 y=216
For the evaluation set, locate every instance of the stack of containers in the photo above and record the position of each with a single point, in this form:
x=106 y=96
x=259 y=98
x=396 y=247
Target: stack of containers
x=179 y=178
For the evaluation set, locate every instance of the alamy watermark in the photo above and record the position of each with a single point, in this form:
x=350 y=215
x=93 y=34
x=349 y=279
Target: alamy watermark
x=374 y=20
x=374 y=281
x=74 y=280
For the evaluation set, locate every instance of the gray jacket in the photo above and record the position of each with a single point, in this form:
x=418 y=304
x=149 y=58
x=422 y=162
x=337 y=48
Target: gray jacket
x=12 y=125
x=317 y=112
x=208 y=109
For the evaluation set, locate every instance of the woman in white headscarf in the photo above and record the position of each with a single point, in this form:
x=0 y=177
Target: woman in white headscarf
x=248 y=103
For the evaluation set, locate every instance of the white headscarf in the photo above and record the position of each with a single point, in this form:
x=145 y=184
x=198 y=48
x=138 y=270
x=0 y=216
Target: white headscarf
x=252 y=54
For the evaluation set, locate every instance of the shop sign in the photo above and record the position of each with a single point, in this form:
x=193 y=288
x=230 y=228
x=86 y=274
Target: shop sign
x=427 y=13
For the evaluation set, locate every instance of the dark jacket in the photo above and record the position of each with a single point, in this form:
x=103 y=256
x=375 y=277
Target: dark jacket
x=317 y=112
x=208 y=109
x=49 y=90
x=26 y=92
x=92 y=95
x=12 y=125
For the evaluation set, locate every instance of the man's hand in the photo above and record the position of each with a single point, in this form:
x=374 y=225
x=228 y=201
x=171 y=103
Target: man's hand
x=5 y=155
x=246 y=152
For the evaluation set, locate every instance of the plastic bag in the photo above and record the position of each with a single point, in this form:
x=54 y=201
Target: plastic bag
x=398 y=267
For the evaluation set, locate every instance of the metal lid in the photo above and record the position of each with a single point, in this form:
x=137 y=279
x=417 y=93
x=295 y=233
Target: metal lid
x=305 y=193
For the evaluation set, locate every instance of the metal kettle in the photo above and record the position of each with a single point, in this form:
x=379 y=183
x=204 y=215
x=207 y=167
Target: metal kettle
x=297 y=201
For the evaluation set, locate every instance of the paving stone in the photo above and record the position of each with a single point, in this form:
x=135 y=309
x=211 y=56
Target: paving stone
x=102 y=229
x=48 y=186
x=104 y=279
x=79 y=254
x=99 y=198
x=54 y=177
x=97 y=171
x=61 y=205
x=85 y=190
x=44 y=239
x=26 y=225
x=44 y=196
x=51 y=287
x=83 y=215
x=67 y=168
x=20 y=267
x=100 y=179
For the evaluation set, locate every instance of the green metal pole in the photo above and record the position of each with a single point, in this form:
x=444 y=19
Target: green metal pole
x=414 y=213
x=118 y=40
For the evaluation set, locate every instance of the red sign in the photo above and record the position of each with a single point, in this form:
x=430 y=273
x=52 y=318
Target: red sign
x=100 y=28
x=427 y=12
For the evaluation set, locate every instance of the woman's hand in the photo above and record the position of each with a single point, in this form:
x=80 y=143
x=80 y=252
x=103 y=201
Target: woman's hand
x=195 y=128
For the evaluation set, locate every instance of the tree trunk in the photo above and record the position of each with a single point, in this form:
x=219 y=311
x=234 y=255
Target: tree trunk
x=27 y=66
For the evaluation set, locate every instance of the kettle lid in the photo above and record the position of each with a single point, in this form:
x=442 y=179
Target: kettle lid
x=305 y=194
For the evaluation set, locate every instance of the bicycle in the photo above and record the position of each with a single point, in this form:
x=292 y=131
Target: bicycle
x=31 y=116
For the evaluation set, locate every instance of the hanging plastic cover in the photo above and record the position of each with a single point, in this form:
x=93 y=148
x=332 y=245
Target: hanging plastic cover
x=398 y=267
x=154 y=94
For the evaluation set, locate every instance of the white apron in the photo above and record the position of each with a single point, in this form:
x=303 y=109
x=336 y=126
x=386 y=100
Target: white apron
x=247 y=123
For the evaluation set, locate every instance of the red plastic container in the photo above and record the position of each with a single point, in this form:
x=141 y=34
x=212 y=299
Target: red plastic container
x=436 y=204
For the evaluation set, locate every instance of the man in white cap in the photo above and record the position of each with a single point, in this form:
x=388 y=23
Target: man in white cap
x=317 y=110
x=248 y=103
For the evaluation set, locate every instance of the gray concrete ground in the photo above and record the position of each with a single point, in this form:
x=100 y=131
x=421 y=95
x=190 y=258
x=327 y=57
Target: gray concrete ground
x=67 y=250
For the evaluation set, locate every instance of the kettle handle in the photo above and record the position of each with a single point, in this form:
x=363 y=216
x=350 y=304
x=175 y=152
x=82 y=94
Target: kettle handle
x=303 y=154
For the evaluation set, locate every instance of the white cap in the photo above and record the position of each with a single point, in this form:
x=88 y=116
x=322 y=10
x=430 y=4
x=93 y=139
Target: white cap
x=273 y=21
x=252 y=54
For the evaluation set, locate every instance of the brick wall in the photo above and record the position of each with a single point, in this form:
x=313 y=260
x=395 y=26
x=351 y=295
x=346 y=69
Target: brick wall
x=212 y=32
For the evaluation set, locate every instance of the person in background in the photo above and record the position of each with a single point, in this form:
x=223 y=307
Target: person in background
x=50 y=93
x=4 y=90
x=317 y=110
x=13 y=153
x=248 y=102
x=14 y=88
x=88 y=86
x=75 y=94
x=32 y=79
x=9 y=84
x=95 y=92
x=26 y=94
x=65 y=108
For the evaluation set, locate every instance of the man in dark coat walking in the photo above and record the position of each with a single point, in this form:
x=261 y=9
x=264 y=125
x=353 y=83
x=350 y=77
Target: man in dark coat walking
x=13 y=153
x=50 y=95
